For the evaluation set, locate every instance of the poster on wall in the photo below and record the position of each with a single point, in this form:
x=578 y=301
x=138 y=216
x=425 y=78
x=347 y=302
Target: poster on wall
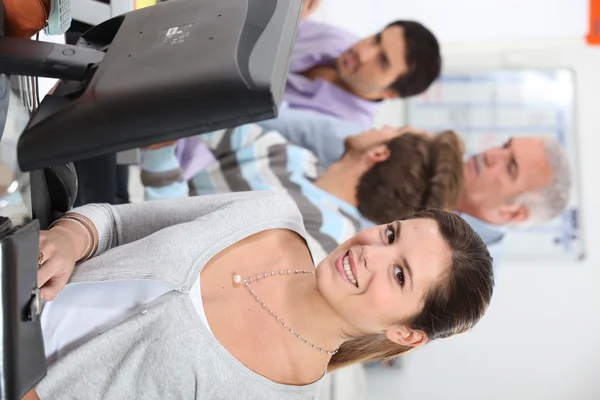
x=490 y=107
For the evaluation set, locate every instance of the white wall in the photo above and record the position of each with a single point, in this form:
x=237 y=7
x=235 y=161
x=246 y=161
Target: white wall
x=464 y=20
x=541 y=336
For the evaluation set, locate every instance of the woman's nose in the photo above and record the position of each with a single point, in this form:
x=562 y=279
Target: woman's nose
x=375 y=258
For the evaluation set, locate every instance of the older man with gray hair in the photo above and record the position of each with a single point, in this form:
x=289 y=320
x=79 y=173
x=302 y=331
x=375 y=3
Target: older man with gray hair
x=524 y=183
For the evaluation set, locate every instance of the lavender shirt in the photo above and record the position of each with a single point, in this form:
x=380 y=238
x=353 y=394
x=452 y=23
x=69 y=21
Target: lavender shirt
x=320 y=44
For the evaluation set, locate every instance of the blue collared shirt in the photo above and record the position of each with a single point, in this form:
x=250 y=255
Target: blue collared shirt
x=322 y=134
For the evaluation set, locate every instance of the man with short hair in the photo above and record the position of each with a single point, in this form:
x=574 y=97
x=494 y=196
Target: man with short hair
x=525 y=182
x=334 y=73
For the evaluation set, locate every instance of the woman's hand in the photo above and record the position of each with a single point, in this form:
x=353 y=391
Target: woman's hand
x=60 y=249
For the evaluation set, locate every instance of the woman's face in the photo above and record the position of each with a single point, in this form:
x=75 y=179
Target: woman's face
x=381 y=276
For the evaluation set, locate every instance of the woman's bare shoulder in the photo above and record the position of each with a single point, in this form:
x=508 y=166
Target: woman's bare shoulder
x=269 y=246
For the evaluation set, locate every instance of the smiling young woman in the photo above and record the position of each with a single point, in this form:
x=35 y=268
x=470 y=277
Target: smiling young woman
x=218 y=296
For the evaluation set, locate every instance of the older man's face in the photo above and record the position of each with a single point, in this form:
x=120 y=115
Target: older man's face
x=497 y=176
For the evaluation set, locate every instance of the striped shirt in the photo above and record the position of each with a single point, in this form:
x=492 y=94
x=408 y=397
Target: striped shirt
x=249 y=158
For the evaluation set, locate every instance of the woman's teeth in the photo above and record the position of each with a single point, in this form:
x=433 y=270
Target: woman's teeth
x=348 y=270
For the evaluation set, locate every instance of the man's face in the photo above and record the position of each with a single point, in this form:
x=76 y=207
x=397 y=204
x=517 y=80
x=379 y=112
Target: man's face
x=370 y=66
x=497 y=176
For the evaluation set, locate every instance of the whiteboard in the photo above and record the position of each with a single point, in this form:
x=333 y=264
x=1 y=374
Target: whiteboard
x=489 y=107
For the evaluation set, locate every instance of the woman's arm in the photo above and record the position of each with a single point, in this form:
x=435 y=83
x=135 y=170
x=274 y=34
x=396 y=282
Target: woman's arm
x=122 y=224
x=93 y=229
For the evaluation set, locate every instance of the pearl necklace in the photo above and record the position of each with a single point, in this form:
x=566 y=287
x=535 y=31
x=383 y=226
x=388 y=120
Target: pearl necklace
x=237 y=279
